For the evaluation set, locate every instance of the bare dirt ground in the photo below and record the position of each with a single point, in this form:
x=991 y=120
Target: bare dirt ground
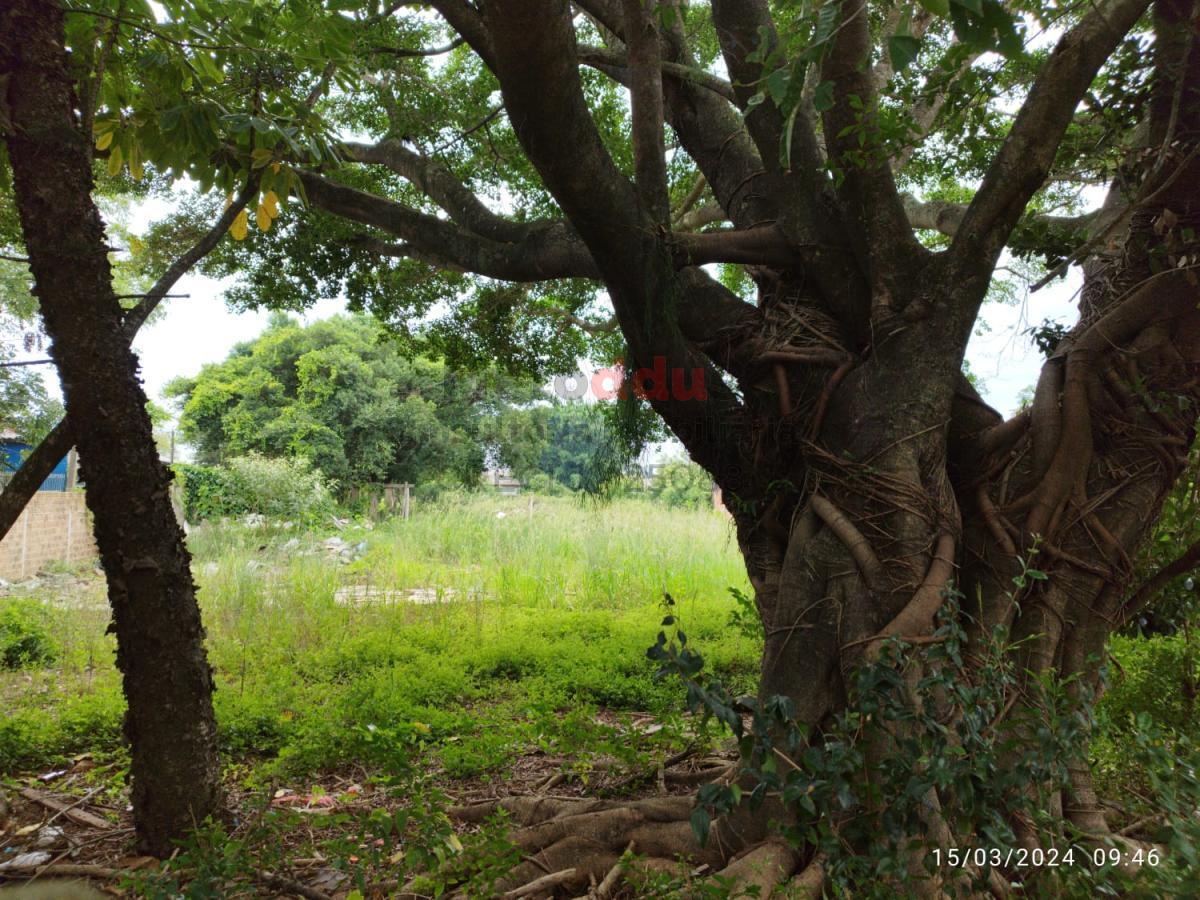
x=75 y=821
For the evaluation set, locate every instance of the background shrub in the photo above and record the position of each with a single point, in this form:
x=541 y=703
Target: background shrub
x=276 y=488
x=24 y=636
x=683 y=484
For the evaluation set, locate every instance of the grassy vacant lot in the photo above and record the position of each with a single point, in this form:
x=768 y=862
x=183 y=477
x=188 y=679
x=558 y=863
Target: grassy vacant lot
x=530 y=622
x=369 y=678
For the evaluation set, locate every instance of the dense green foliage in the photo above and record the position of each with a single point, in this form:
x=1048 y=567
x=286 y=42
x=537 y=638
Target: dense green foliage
x=682 y=483
x=284 y=489
x=26 y=407
x=564 y=441
x=24 y=636
x=340 y=394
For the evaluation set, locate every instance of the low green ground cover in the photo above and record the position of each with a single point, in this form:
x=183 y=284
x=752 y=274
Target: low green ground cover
x=530 y=621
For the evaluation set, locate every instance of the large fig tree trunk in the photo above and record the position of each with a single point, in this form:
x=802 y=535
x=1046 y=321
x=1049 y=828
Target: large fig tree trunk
x=875 y=495
x=167 y=680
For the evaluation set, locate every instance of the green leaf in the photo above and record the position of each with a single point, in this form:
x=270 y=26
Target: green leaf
x=903 y=49
x=114 y=160
x=785 y=151
x=937 y=7
x=701 y=821
x=827 y=20
x=777 y=85
x=823 y=96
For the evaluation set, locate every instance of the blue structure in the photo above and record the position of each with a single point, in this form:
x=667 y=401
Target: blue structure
x=12 y=454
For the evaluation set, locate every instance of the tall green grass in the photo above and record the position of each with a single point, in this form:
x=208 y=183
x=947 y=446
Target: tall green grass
x=543 y=614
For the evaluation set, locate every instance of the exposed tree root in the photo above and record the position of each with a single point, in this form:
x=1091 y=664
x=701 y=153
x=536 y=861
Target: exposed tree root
x=763 y=868
x=583 y=843
x=545 y=883
x=605 y=888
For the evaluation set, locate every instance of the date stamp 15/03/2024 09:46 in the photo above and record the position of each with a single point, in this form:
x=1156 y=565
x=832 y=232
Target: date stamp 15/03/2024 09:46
x=1048 y=857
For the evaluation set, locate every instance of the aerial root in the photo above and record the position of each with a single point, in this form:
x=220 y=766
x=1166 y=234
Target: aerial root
x=858 y=546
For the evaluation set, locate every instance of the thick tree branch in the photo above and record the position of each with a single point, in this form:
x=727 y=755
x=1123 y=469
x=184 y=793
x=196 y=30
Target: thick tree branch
x=707 y=214
x=742 y=26
x=946 y=217
x=763 y=246
x=438 y=183
x=545 y=251
x=537 y=251
x=942 y=216
x=646 y=102
x=539 y=78
x=607 y=60
x=852 y=137
x=1027 y=154
x=711 y=130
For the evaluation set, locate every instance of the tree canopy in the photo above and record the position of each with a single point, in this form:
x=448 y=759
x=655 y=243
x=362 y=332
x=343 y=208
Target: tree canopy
x=340 y=394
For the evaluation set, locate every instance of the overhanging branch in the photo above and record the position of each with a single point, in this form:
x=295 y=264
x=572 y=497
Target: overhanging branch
x=606 y=60
x=1027 y=154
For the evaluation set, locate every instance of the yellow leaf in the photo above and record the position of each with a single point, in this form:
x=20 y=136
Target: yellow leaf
x=135 y=162
x=275 y=168
x=114 y=161
x=422 y=727
x=136 y=245
x=454 y=843
x=104 y=141
x=271 y=202
x=240 y=227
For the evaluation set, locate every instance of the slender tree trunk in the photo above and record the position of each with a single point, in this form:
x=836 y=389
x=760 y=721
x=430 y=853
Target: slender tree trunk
x=35 y=469
x=167 y=680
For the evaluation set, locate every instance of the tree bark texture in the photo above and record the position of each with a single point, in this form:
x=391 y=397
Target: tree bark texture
x=167 y=680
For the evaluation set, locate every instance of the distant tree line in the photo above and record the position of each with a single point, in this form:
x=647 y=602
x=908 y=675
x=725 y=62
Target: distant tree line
x=342 y=395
